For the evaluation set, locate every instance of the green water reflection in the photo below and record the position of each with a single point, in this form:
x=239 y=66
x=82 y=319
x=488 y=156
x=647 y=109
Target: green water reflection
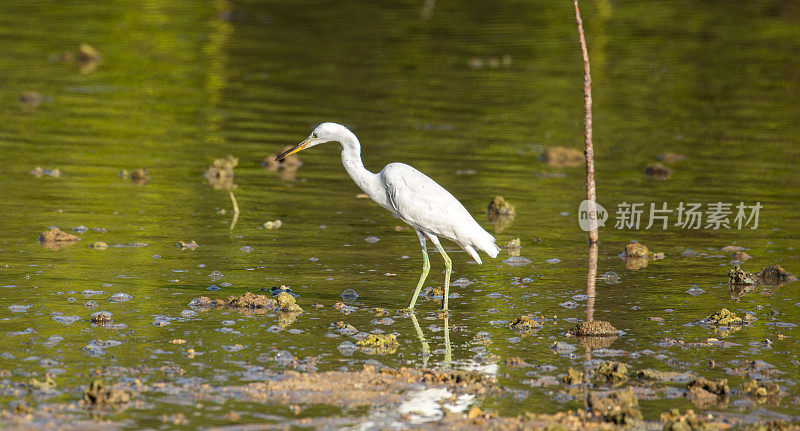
x=481 y=87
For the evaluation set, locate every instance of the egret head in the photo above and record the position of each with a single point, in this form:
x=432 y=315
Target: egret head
x=325 y=132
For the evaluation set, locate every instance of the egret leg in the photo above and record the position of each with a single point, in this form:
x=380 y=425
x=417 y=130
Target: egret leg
x=448 y=270
x=426 y=267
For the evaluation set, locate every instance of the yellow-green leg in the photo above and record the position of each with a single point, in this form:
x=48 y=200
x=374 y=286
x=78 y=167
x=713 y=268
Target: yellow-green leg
x=448 y=270
x=426 y=267
x=426 y=350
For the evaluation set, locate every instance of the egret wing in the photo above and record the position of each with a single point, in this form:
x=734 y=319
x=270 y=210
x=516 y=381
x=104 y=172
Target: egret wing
x=424 y=204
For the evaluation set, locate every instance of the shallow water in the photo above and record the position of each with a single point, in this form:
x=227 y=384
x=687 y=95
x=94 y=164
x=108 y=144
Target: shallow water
x=471 y=97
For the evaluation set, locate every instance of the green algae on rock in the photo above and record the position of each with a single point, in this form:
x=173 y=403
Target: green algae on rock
x=724 y=317
x=595 y=328
x=738 y=276
x=500 y=207
x=636 y=249
x=619 y=407
x=763 y=392
x=612 y=372
x=379 y=343
x=525 y=323
x=286 y=302
x=674 y=420
x=775 y=275
x=55 y=238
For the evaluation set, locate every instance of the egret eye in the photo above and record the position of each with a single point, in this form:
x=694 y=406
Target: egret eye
x=314 y=135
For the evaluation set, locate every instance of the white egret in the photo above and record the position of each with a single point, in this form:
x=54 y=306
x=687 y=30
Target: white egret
x=413 y=197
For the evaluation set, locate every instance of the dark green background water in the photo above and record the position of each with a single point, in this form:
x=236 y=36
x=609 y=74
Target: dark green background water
x=181 y=83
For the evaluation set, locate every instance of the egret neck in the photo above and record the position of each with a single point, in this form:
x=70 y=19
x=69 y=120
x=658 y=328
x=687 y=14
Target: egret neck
x=367 y=181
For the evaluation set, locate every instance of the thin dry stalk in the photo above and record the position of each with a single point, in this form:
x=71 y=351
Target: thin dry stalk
x=587 y=119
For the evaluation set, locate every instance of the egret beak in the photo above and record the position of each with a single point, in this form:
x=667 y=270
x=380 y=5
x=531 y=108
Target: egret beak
x=299 y=147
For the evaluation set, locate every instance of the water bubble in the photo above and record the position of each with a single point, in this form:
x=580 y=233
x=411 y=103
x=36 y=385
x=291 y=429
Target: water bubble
x=18 y=308
x=580 y=297
x=349 y=295
x=694 y=291
x=188 y=313
x=553 y=260
x=120 y=297
x=80 y=229
x=90 y=304
x=88 y=292
x=246 y=249
x=347 y=348
x=569 y=304
x=610 y=277
x=216 y=275
x=517 y=261
x=213 y=288
x=66 y=320
x=372 y=239
x=461 y=282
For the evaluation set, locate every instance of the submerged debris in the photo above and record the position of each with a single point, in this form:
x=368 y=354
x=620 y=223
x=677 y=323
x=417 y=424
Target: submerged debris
x=525 y=324
x=658 y=171
x=501 y=213
x=273 y=224
x=738 y=276
x=689 y=421
x=99 y=397
x=45 y=385
x=99 y=245
x=191 y=245
x=724 y=317
x=763 y=392
x=595 y=328
x=703 y=392
x=55 y=238
x=513 y=247
x=573 y=377
x=286 y=302
x=740 y=256
x=87 y=52
x=636 y=249
x=562 y=157
x=101 y=318
x=30 y=99
x=500 y=207
x=286 y=168
x=248 y=301
x=638 y=256
x=140 y=177
x=612 y=372
x=662 y=376
x=379 y=343
x=775 y=275
x=38 y=172
x=618 y=407
x=220 y=173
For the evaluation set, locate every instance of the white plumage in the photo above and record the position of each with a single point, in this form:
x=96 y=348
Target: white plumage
x=414 y=197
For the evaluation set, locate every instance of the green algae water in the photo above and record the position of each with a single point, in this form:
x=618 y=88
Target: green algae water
x=471 y=94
